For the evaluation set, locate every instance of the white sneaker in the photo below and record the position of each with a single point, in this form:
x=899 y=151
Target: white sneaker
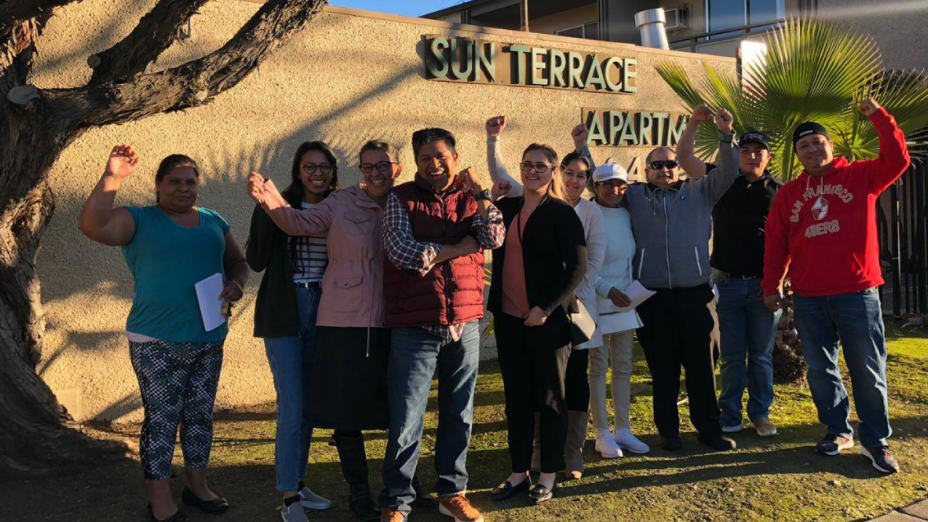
x=606 y=446
x=313 y=501
x=293 y=513
x=732 y=429
x=629 y=442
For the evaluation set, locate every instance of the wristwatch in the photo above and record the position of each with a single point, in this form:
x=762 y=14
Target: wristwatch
x=726 y=138
x=483 y=195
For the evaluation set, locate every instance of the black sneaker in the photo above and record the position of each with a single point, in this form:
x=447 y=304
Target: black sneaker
x=718 y=443
x=881 y=458
x=833 y=444
x=671 y=443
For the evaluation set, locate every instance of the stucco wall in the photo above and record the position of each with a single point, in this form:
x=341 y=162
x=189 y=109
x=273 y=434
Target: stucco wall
x=352 y=76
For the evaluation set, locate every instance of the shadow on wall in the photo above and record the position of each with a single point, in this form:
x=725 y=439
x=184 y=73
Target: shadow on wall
x=75 y=281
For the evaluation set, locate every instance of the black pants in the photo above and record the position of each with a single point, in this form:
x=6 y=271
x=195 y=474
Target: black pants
x=679 y=326
x=576 y=382
x=533 y=380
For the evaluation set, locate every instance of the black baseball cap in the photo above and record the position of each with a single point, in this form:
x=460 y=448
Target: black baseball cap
x=757 y=137
x=808 y=129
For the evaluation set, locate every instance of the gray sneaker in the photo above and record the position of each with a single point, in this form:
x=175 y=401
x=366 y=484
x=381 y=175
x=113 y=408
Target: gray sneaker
x=764 y=427
x=313 y=501
x=293 y=513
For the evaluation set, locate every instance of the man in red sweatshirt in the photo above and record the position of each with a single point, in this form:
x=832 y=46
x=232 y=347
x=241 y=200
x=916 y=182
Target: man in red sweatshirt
x=823 y=225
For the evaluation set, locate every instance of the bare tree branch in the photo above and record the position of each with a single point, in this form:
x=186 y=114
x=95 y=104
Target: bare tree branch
x=189 y=85
x=17 y=53
x=12 y=11
x=155 y=32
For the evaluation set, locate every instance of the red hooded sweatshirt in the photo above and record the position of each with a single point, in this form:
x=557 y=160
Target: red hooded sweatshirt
x=824 y=228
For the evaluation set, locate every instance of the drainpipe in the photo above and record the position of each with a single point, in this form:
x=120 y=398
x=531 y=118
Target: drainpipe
x=523 y=15
x=651 y=23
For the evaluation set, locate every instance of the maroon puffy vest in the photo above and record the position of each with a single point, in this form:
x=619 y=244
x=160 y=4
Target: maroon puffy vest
x=452 y=291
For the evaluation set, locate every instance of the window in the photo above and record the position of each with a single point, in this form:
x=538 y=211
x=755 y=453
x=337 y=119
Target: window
x=589 y=31
x=728 y=14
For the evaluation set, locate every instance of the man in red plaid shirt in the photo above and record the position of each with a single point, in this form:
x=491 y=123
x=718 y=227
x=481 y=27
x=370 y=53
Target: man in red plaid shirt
x=435 y=230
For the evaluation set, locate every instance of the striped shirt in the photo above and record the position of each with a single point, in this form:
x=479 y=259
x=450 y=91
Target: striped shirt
x=312 y=256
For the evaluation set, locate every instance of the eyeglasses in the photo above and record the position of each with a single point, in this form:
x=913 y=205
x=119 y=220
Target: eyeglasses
x=310 y=168
x=383 y=166
x=541 y=168
x=658 y=165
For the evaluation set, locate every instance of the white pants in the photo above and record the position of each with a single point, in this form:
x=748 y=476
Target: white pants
x=617 y=347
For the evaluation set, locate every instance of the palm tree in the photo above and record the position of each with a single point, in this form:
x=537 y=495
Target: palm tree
x=813 y=71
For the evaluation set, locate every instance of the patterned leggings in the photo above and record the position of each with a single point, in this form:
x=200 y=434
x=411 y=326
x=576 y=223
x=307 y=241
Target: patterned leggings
x=178 y=384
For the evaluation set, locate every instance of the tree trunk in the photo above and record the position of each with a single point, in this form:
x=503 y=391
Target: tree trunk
x=35 y=126
x=34 y=431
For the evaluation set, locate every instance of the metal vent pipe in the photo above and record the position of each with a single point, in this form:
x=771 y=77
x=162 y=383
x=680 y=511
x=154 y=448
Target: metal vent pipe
x=652 y=25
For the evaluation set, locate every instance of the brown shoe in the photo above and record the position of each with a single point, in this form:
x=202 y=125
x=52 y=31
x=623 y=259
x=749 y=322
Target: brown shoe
x=388 y=515
x=459 y=508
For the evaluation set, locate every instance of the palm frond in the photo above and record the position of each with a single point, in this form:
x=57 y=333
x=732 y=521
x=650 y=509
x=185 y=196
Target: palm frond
x=813 y=70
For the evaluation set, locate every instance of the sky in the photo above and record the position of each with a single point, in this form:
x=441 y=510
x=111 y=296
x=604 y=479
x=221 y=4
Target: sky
x=400 y=7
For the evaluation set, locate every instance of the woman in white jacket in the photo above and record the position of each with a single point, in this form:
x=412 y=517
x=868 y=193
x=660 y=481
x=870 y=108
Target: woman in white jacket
x=610 y=182
x=575 y=172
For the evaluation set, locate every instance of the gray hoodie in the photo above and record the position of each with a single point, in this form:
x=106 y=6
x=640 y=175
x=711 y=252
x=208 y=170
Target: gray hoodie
x=672 y=226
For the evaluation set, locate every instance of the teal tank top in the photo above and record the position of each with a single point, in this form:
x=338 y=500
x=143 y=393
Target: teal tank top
x=166 y=261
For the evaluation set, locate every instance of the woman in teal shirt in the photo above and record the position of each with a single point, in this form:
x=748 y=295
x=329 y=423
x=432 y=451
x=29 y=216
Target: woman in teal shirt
x=169 y=247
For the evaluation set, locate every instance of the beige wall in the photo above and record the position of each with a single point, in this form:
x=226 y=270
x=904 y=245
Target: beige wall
x=352 y=76
x=564 y=20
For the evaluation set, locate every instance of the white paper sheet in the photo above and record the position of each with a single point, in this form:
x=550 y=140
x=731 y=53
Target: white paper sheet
x=638 y=294
x=208 y=291
x=614 y=319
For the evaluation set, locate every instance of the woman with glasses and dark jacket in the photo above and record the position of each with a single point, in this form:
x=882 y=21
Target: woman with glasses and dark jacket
x=535 y=276
x=285 y=316
x=348 y=387
x=575 y=172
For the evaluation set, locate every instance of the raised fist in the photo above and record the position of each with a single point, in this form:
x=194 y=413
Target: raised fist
x=263 y=192
x=500 y=189
x=122 y=163
x=580 y=134
x=868 y=107
x=468 y=177
x=724 y=121
x=495 y=125
x=702 y=112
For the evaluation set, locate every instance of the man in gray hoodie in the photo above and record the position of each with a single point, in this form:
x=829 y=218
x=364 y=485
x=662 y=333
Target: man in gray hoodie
x=672 y=221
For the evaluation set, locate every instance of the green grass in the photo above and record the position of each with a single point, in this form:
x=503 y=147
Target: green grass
x=771 y=479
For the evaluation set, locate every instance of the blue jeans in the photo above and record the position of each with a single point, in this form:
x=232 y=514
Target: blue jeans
x=415 y=355
x=857 y=319
x=290 y=359
x=748 y=330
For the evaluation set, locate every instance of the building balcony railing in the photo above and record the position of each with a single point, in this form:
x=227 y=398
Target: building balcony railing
x=724 y=41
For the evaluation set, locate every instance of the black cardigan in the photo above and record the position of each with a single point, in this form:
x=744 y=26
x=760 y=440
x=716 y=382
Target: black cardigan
x=554 y=256
x=276 y=312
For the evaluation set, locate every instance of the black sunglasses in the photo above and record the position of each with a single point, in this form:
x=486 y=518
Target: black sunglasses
x=658 y=165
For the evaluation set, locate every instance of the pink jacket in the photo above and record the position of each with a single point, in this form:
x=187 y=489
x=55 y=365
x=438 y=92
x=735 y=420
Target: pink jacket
x=352 y=288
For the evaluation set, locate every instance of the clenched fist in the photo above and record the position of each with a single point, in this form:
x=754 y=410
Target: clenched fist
x=702 y=112
x=868 y=107
x=495 y=125
x=580 y=135
x=724 y=121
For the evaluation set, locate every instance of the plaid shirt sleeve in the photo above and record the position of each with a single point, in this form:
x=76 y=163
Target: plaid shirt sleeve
x=491 y=233
x=400 y=245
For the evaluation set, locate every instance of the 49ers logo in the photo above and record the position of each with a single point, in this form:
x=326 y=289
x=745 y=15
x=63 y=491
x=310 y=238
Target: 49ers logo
x=820 y=208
